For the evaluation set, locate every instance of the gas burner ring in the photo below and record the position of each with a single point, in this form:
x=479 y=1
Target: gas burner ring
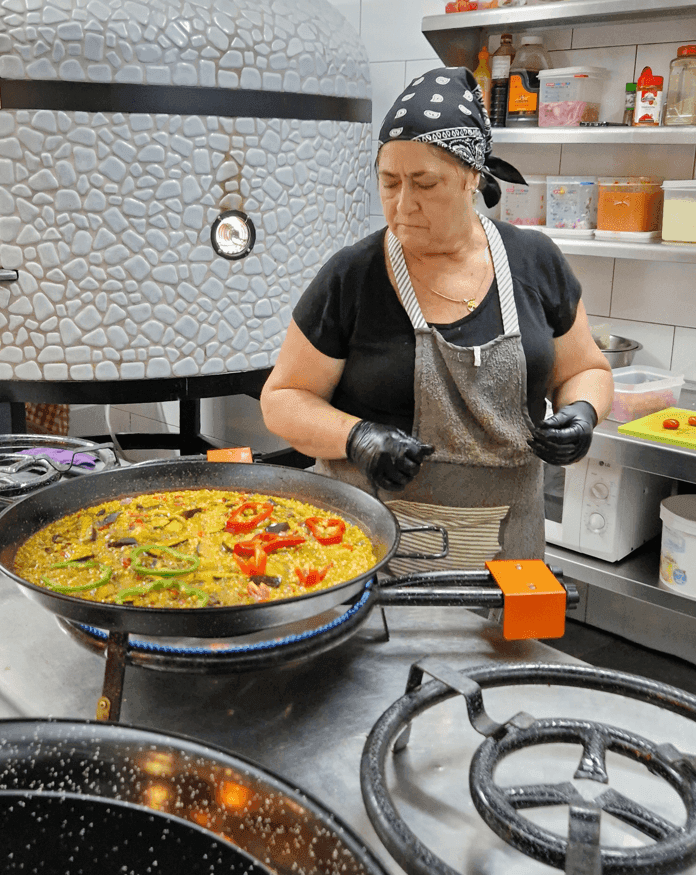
x=674 y=848
x=21 y=474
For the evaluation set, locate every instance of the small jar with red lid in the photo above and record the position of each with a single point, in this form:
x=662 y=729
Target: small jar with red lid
x=648 y=109
x=680 y=105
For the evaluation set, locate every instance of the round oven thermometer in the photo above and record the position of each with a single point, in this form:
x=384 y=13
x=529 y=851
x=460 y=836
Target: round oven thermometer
x=233 y=235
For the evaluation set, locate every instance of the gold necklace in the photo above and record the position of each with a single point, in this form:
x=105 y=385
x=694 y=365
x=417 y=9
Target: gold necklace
x=471 y=303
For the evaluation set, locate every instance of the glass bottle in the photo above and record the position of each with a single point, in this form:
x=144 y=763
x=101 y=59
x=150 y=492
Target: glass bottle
x=523 y=88
x=501 y=62
x=680 y=105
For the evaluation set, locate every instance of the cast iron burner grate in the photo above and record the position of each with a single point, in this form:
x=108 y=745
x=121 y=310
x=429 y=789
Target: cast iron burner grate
x=673 y=848
x=30 y=462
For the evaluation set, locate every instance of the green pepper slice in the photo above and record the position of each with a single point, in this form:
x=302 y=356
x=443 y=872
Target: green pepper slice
x=193 y=561
x=202 y=597
x=107 y=571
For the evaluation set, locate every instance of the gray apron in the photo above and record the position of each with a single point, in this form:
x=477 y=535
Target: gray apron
x=482 y=483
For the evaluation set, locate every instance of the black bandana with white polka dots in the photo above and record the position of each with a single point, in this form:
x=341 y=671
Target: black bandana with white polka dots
x=444 y=107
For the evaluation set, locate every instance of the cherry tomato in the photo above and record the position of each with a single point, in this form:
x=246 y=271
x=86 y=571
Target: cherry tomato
x=692 y=420
x=670 y=423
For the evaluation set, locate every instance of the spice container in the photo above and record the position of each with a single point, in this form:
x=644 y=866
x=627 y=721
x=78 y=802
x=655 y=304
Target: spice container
x=679 y=212
x=648 y=99
x=570 y=95
x=629 y=103
x=629 y=204
x=524 y=204
x=680 y=105
x=571 y=204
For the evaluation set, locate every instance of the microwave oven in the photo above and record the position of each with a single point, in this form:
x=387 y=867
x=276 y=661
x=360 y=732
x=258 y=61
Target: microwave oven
x=601 y=509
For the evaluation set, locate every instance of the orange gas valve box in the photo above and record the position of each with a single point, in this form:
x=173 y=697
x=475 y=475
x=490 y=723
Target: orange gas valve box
x=534 y=602
x=230 y=454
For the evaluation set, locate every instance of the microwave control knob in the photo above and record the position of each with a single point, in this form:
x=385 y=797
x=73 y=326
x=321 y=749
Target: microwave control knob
x=596 y=522
x=600 y=490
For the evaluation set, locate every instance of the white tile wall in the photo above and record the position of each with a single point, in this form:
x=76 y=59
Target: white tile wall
x=655 y=303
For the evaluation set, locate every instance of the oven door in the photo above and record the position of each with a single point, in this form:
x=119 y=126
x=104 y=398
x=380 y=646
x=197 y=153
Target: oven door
x=564 y=492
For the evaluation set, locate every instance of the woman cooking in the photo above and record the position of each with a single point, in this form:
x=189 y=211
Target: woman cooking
x=420 y=358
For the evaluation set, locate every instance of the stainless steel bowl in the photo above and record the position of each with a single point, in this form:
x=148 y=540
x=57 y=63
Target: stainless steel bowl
x=620 y=350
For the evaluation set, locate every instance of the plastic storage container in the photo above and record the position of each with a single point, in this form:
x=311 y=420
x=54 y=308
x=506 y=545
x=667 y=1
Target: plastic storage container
x=629 y=204
x=680 y=105
x=571 y=205
x=679 y=212
x=570 y=95
x=524 y=204
x=639 y=391
x=678 y=551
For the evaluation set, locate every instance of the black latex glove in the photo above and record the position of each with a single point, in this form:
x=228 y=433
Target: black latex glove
x=388 y=456
x=565 y=437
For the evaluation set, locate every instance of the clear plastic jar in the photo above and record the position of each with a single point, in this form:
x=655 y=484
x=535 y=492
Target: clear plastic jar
x=680 y=106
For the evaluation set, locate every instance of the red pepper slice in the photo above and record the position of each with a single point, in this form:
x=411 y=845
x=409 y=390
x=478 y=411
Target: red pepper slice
x=240 y=522
x=259 y=593
x=280 y=542
x=326 y=531
x=312 y=576
x=269 y=542
x=255 y=565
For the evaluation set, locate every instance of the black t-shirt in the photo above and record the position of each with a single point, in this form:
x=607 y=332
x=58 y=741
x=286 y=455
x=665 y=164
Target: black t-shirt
x=350 y=311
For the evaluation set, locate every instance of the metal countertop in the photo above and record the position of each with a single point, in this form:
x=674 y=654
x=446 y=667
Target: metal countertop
x=309 y=722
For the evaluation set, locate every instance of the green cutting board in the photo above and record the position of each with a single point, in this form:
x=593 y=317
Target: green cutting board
x=651 y=428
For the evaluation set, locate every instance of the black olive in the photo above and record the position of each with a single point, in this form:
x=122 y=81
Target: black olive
x=276 y=528
x=274 y=582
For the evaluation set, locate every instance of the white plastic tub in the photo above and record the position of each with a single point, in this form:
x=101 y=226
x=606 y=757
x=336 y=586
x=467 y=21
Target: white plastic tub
x=639 y=391
x=571 y=203
x=524 y=204
x=570 y=95
x=679 y=211
x=678 y=552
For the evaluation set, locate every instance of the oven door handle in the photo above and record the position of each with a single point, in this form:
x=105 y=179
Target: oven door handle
x=425 y=527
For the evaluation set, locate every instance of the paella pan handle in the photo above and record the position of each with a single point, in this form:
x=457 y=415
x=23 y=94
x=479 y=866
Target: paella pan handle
x=425 y=527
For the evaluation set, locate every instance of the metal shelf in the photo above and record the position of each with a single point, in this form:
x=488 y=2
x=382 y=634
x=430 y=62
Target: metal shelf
x=624 y=598
x=657 y=251
x=664 y=135
x=457 y=36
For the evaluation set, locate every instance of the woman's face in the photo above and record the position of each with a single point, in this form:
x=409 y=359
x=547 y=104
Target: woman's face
x=427 y=196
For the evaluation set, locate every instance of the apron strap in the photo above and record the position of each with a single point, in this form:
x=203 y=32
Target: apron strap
x=501 y=266
x=403 y=282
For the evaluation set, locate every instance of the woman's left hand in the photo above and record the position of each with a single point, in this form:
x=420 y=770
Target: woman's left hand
x=566 y=436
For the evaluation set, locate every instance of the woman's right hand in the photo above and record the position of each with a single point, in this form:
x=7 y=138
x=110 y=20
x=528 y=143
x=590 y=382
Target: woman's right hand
x=388 y=456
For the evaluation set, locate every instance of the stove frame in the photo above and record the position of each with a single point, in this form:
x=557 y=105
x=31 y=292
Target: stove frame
x=674 y=848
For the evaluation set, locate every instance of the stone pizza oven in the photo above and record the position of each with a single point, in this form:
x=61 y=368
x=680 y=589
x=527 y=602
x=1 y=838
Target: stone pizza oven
x=127 y=130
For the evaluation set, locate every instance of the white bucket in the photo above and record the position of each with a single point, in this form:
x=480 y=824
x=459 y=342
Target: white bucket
x=678 y=554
